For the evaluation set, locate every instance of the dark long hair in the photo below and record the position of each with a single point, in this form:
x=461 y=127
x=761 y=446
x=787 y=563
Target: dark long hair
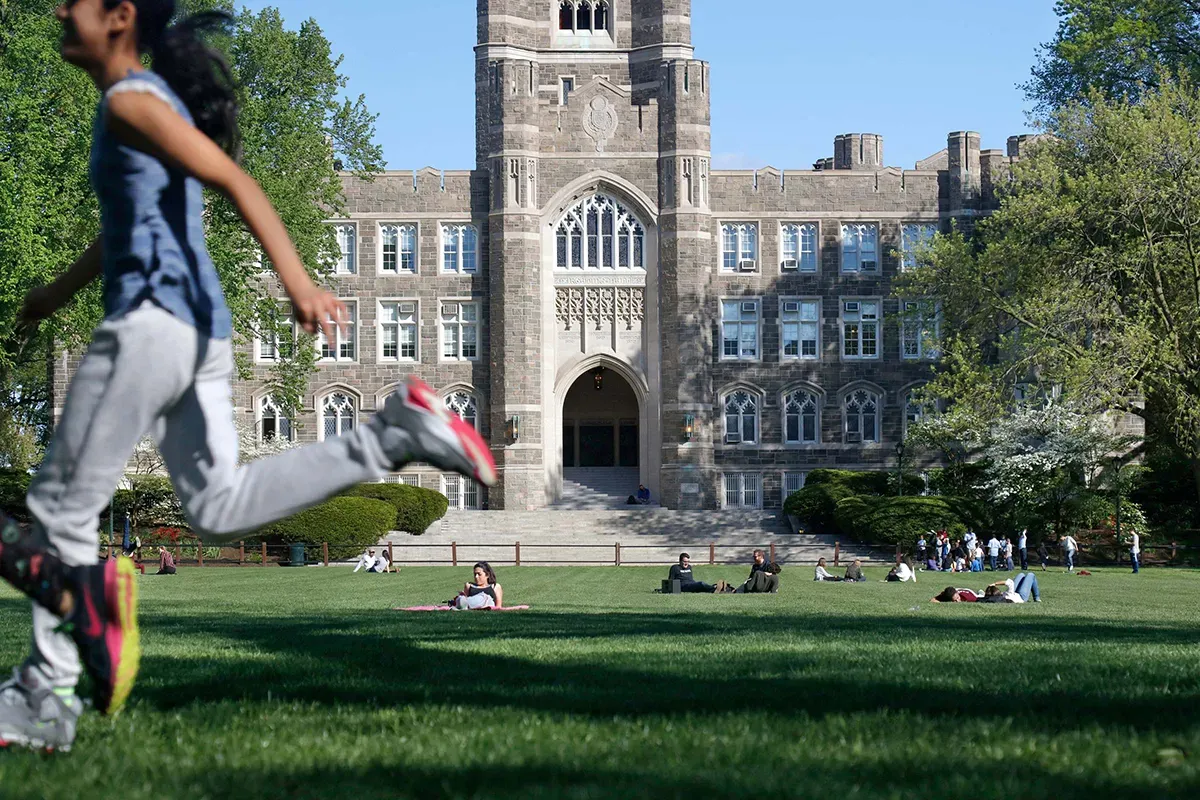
x=487 y=568
x=196 y=72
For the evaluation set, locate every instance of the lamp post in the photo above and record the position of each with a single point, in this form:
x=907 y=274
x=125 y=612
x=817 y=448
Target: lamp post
x=900 y=465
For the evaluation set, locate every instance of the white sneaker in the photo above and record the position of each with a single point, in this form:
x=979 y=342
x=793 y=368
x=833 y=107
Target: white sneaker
x=33 y=715
x=415 y=425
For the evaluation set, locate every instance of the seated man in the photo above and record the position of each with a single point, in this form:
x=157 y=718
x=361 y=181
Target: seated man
x=822 y=574
x=682 y=572
x=642 y=496
x=902 y=571
x=854 y=572
x=762 y=581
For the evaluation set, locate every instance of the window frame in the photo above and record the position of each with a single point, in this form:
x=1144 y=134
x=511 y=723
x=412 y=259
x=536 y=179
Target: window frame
x=842 y=250
x=817 y=400
x=758 y=326
x=740 y=477
x=464 y=489
x=755 y=398
x=907 y=260
x=927 y=346
x=339 y=229
x=871 y=396
x=783 y=482
x=355 y=406
x=259 y=341
x=740 y=226
x=819 y=322
x=564 y=94
x=379 y=325
x=442 y=302
x=628 y=230
x=458 y=226
x=877 y=322
x=354 y=307
x=926 y=409
x=471 y=396
x=259 y=416
x=800 y=269
x=416 y=249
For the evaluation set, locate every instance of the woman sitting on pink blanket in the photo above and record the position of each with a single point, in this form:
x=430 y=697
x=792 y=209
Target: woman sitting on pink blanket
x=483 y=593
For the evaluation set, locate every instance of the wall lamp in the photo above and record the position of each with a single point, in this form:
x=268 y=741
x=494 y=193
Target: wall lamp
x=514 y=428
x=689 y=427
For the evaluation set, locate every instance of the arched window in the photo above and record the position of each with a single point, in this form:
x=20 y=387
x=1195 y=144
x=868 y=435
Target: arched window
x=272 y=423
x=917 y=409
x=800 y=418
x=862 y=417
x=741 y=418
x=337 y=415
x=583 y=16
x=465 y=407
x=566 y=16
x=601 y=16
x=600 y=233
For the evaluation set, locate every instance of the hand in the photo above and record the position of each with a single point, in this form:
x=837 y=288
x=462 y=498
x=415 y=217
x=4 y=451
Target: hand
x=39 y=304
x=316 y=309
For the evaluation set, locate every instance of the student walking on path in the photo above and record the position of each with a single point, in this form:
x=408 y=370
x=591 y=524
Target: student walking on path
x=161 y=363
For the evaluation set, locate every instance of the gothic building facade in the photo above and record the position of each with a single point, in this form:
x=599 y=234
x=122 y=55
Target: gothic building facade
x=595 y=296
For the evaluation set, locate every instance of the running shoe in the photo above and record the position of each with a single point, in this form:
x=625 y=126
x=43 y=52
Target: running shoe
x=104 y=628
x=415 y=425
x=34 y=715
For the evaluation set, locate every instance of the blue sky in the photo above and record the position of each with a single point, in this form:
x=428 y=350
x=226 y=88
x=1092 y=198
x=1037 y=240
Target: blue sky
x=787 y=75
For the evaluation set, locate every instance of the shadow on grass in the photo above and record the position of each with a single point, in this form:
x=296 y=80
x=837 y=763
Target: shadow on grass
x=389 y=657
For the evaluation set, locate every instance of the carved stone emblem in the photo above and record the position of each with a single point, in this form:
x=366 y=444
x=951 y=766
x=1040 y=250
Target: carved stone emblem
x=600 y=121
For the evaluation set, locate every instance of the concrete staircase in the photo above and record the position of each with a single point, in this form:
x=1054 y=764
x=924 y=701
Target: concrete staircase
x=645 y=535
x=598 y=487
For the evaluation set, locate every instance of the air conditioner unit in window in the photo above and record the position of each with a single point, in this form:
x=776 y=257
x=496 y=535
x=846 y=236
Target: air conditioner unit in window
x=852 y=307
x=868 y=266
x=853 y=438
x=750 y=308
x=910 y=306
x=747 y=265
x=733 y=438
x=790 y=263
x=791 y=307
x=408 y=308
x=449 y=309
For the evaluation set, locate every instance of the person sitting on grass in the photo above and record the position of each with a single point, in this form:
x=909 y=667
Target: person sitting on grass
x=166 y=562
x=367 y=561
x=901 y=572
x=822 y=574
x=682 y=572
x=764 y=579
x=484 y=592
x=854 y=573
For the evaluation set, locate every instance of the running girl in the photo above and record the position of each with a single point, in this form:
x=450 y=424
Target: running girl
x=161 y=362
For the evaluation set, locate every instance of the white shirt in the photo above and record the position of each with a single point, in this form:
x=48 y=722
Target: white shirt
x=821 y=574
x=904 y=573
x=1069 y=544
x=1135 y=546
x=969 y=539
x=366 y=562
x=1021 y=541
x=994 y=547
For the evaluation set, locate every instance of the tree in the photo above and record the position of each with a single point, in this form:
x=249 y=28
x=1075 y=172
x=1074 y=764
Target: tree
x=1117 y=47
x=1085 y=285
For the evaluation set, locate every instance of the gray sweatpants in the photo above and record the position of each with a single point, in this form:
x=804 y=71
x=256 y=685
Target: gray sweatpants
x=148 y=372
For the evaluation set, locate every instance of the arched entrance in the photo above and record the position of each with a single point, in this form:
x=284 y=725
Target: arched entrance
x=601 y=423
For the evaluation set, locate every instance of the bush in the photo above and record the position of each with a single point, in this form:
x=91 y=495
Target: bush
x=814 y=505
x=14 y=484
x=416 y=508
x=348 y=524
x=902 y=520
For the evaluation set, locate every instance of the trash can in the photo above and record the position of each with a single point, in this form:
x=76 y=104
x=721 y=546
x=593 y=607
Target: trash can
x=297 y=551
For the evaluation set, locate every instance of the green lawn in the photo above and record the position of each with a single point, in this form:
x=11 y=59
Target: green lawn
x=302 y=683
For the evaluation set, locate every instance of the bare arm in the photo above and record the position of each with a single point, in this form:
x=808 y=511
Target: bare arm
x=147 y=123
x=499 y=596
x=43 y=301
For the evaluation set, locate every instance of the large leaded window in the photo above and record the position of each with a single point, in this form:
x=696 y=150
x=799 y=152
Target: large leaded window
x=338 y=413
x=347 y=237
x=739 y=247
x=913 y=237
x=800 y=418
x=739 y=330
x=916 y=410
x=399 y=249
x=920 y=328
x=860 y=329
x=398 y=326
x=741 y=418
x=460 y=331
x=460 y=249
x=465 y=407
x=860 y=247
x=862 y=417
x=798 y=247
x=800 y=324
x=584 y=16
x=600 y=233
x=272 y=423
x=345 y=344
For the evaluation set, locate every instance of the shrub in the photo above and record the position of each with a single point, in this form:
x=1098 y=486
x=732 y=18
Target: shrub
x=901 y=520
x=14 y=484
x=416 y=508
x=814 y=505
x=348 y=524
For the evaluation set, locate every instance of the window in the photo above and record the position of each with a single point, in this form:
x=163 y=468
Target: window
x=463 y=493
x=408 y=479
x=800 y=324
x=799 y=248
x=272 y=423
x=566 y=16
x=860 y=247
x=860 y=329
x=741 y=418
x=268 y=346
x=912 y=238
x=347 y=237
x=920 y=328
x=346 y=346
x=464 y=407
x=567 y=87
x=399 y=323
x=800 y=418
x=862 y=417
x=399 y=249
x=601 y=18
x=583 y=15
x=338 y=415
x=460 y=331
x=600 y=233
x=742 y=490
x=739 y=247
x=739 y=330
x=916 y=410
x=460 y=248
x=793 y=482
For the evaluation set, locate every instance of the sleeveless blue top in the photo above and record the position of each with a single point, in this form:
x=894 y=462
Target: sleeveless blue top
x=151 y=225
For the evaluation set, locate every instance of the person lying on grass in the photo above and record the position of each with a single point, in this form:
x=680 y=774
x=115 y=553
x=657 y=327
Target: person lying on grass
x=1018 y=590
x=484 y=592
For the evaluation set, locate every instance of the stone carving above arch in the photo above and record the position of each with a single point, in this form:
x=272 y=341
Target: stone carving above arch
x=600 y=120
x=623 y=306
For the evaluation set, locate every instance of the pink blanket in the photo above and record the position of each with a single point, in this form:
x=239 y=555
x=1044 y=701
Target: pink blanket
x=451 y=608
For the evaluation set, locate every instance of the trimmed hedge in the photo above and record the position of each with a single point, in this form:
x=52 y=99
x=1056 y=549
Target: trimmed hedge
x=814 y=505
x=416 y=508
x=902 y=520
x=348 y=524
x=14 y=484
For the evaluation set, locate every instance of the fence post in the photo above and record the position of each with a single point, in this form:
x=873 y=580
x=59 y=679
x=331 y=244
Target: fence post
x=772 y=551
x=264 y=554
x=618 y=553
x=454 y=554
x=178 y=552
x=837 y=552
x=712 y=553
x=241 y=554
x=391 y=555
x=199 y=553
x=518 y=554
x=325 y=552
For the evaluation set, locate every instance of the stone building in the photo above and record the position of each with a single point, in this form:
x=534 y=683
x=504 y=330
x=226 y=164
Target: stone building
x=596 y=297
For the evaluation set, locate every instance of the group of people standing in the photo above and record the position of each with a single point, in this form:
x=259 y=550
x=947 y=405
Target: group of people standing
x=937 y=553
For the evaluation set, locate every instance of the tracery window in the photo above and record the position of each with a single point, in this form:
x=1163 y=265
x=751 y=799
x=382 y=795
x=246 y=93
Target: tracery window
x=862 y=417
x=600 y=233
x=465 y=407
x=800 y=418
x=741 y=418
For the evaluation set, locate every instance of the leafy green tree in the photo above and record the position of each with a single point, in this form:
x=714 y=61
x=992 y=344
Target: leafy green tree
x=1117 y=47
x=1085 y=285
